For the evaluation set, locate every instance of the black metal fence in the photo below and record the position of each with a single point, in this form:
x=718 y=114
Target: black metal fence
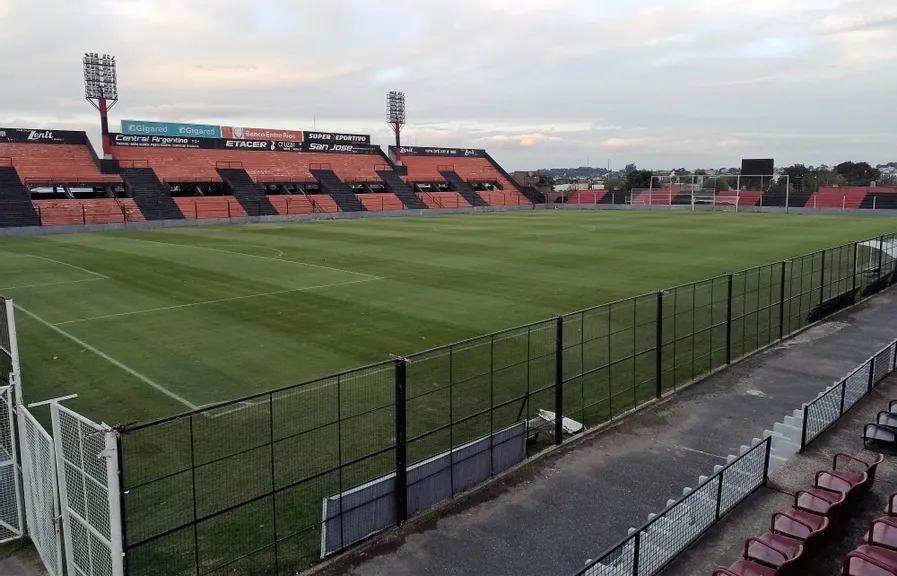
x=828 y=407
x=649 y=549
x=269 y=483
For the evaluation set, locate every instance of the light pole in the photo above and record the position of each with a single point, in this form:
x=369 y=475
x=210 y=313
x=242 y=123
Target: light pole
x=395 y=117
x=101 y=89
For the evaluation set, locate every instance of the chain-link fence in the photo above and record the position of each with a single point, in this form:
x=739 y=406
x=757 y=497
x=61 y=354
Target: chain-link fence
x=271 y=483
x=829 y=406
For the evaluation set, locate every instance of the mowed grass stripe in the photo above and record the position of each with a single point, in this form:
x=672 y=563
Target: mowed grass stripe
x=449 y=278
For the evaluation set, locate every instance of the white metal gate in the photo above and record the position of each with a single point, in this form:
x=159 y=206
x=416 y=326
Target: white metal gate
x=87 y=461
x=41 y=496
x=11 y=525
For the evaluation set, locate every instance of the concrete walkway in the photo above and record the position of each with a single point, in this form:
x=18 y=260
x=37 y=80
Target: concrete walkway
x=548 y=517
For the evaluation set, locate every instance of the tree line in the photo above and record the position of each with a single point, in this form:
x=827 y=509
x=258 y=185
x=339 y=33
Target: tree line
x=803 y=178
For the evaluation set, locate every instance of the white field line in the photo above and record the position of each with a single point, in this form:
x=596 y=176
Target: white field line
x=212 y=413
x=217 y=301
x=97 y=274
x=111 y=360
x=52 y=283
x=371 y=276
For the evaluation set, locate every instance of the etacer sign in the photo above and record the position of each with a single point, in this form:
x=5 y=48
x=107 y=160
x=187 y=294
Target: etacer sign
x=144 y=128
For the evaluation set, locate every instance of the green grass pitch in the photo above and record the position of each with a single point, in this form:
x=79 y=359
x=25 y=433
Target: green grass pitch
x=211 y=314
x=147 y=324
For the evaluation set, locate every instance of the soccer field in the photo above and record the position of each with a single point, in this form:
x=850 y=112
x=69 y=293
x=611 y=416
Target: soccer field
x=143 y=324
x=147 y=324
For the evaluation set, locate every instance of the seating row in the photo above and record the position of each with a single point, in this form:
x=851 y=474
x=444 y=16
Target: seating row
x=884 y=429
x=877 y=555
x=796 y=534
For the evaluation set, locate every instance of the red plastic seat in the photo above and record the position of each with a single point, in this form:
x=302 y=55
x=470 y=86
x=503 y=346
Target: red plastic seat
x=857 y=476
x=882 y=533
x=849 y=484
x=799 y=525
x=773 y=550
x=870 y=561
x=820 y=501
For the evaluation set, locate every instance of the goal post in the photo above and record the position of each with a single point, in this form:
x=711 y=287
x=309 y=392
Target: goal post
x=726 y=192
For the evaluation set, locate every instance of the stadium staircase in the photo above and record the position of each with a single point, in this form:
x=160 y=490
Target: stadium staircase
x=16 y=208
x=463 y=188
x=397 y=186
x=250 y=195
x=152 y=198
x=880 y=201
x=337 y=189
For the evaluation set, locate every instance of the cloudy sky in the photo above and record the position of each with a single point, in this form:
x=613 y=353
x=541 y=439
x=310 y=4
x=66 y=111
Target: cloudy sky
x=540 y=83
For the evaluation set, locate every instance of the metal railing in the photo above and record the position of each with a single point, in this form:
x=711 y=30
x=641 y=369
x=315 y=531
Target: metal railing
x=827 y=408
x=650 y=548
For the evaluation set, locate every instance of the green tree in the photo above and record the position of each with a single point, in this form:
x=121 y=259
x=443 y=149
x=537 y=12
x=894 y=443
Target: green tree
x=639 y=179
x=858 y=173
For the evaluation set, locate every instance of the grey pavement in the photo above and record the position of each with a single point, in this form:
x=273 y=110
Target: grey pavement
x=723 y=544
x=549 y=516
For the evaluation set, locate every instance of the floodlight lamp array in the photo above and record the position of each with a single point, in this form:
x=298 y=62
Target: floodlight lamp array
x=100 y=77
x=395 y=107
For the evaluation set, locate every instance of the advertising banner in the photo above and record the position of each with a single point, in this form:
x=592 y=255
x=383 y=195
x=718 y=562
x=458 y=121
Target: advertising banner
x=450 y=152
x=28 y=136
x=249 y=145
x=160 y=141
x=334 y=138
x=142 y=128
x=238 y=133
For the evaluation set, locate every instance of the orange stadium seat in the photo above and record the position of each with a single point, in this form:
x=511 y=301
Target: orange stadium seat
x=381 y=202
x=55 y=164
x=427 y=169
x=199 y=207
x=93 y=211
x=444 y=200
x=190 y=165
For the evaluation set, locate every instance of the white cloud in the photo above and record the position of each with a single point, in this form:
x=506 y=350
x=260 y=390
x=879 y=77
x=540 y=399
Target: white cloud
x=543 y=82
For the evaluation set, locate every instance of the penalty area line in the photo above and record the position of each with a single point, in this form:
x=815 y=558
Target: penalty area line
x=111 y=360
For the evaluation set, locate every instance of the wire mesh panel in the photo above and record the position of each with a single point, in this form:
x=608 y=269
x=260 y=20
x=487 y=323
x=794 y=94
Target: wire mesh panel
x=856 y=385
x=883 y=363
x=41 y=495
x=822 y=412
x=11 y=524
x=86 y=456
x=648 y=550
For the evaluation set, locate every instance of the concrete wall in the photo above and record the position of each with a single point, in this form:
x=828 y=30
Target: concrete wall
x=79 y=229
x=155 y=224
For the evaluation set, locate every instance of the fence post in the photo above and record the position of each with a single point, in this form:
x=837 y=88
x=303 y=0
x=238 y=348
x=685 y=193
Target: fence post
x=766 y=461
x=559 y=381
x=729 y=322
x=803 y=428
x=719 y=492
x=822 y=284
x=856 y=258
x=881 y=248
x=84 y=215
x=121 y=502
x=658 y=368
x=871 y=380
x=843 y=394
x=782 y=302
x=636 y=552
x=401 y=442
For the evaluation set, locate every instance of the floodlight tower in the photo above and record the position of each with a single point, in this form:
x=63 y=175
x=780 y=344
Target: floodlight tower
x=395 y=117
x=101 y=89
